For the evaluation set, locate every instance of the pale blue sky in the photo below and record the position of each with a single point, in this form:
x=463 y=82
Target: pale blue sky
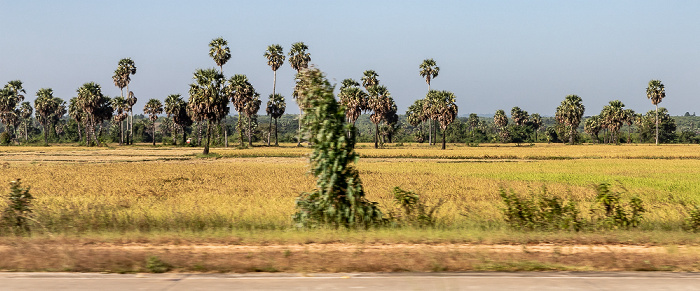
x=492 y=54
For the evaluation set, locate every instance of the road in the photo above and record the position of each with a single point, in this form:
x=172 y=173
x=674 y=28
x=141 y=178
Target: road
x=361 y=281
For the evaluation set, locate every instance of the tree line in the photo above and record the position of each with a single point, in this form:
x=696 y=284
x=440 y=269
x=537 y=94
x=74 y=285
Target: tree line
x=97 y=118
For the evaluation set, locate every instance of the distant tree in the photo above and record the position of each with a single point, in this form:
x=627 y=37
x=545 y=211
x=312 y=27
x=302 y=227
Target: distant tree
x=379 y=103
x=536 y=123
x=76 y=112
x=90 y=98
x=275 y=108
x=176 y=107
x=415 y=117
x=592 y=126
x=647 y=124
x=120 y=106
x=656 y=92
x=275 y=59
x=500 y=120
x=251 y=110
x=519 y=116
x=220 y=52
x=10 y=97
x=122 y=78
x=46 y=105
x=569 y=113
x=25 y=113
x=207 y=101
x=445 y=108
x=629 y=121
x=353 y=98
x=241 y=92
x=613 y=117
x=299 y=59
x=153 y=108
x=429 y=70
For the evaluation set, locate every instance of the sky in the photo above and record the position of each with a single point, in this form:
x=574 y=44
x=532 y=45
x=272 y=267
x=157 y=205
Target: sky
x=492 y=54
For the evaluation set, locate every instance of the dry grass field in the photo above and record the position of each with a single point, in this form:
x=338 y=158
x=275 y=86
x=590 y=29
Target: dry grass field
x=162 y=195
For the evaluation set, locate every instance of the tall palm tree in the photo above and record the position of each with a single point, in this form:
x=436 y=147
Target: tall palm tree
x=26 y=111
x=125 y=68
x=429 y=70
x=656 y=92
x=630 y=117
x=379 y=103
x=275 y=59
x=500 y=120
x=120 y=106
x=519 y=116
x=153 y=108
x=240 y=92
x=207 y=101
x=445 y=109
x=570 y=113
x=299 y=59
x=473 y=123
x=220 y=52
x=369 y=79
x=275 y=108
x=89 y=98
x=16 y=87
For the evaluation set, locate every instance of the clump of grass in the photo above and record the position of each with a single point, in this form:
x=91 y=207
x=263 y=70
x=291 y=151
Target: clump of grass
x=18 y=212
x=155 y=265
x=693 y=221
x=409 y=210
x=615 y=214
x=540 y=212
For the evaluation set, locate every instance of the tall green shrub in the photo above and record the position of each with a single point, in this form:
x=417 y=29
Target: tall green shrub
x=339 y=199
x=18 y=211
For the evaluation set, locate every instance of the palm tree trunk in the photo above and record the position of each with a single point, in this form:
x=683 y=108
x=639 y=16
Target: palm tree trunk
x=657 y=124
x=571 y=135
x=206 y=146
x=153 y=131
x=430 y=132
x=46 y=131
x=443 y=138
x=276 y=144
x=299 y=135
x=240 y=128
x=250 y=132
x=376 y=135
x=121 y=132
x=225 y=134
x=80 y=134
x=184 y=135
x=26 y=137
x=269 y=132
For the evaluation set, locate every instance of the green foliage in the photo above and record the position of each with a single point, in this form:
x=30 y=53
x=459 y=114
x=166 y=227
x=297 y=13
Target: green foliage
x=541 y=212
x=614 y=213
x=155 y=265
x=693 y=223
x=5 y=138
x=411 y=211
x=339 y=199
x=18 y=211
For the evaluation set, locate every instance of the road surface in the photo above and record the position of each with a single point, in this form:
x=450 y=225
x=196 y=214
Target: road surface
x=636 y=281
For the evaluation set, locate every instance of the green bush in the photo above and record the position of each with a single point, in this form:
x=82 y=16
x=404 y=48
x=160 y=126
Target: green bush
x=614 y=214
x=693 y=223
x=5 y=138
x=410 y=210
x=156 y=265
x=540 y=212
x=18 y=211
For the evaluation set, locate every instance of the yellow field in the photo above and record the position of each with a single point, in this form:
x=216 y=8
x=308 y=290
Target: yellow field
x=170 y=189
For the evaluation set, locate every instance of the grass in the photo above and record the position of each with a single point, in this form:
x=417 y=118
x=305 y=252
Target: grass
x=86 y=196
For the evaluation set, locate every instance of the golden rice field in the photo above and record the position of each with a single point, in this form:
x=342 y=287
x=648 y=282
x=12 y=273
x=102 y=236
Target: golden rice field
x=165 y=189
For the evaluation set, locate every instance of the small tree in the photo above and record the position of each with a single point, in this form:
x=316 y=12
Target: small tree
x=153 y=108
x=18 y=211
x=339 y=199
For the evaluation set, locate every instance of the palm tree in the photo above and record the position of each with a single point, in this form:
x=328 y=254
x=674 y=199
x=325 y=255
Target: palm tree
x=16 y=87
x=369 y=79
x=153 y=108
x=570 y=113
x=171 y=107
x=415 y=117
x=656 y=92
x=629 y=120
x=299 y=59
x=429 y=70
x=379 y=103
x=241 y=92
x=220 y=52
x=275 y=108
x=26 y=111
x=90 y=98
x=252 y=108
x=76 y=112
x=122 y=78
x=120 y=106
x=519 y=116
x=275 y=59
x=176 y=107
x=445 y=106
x=613 y=117
x=536 y=121
x=353 y=98
x=592 y=126
x=500 y=120
x=207 y=101
x=45 y=105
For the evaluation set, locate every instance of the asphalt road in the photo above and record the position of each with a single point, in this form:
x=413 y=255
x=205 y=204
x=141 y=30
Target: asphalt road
x=362 y=281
